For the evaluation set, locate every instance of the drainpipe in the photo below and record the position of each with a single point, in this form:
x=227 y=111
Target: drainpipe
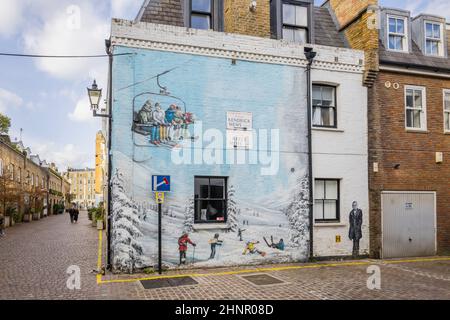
x=310 y=55
x=110 y=100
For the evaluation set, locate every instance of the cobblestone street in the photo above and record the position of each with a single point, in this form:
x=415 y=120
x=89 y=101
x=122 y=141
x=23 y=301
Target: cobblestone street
x=35 y=258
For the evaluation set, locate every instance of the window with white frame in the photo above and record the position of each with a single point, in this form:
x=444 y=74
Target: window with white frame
x=447 y=110
x=397 y=33
x=415 y=108
x=433 y=39
x=326 y=200
x=324 y=111
x=294 y=22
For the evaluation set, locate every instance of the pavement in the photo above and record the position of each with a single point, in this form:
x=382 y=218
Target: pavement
x=35 y=259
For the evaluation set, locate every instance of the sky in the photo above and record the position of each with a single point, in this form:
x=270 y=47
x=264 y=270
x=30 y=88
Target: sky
x=47 y=98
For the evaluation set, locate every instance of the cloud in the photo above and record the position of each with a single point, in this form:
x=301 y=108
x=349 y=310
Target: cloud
x=437 y=7
x=10 y=17
x=125 y=9
x=64 y=156
x=69 y=30
x=9 y=99
x=82 y=112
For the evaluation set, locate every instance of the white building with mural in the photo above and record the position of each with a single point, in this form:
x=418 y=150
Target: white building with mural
x=225 y=116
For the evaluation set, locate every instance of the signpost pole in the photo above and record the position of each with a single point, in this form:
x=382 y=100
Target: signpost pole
x=159 y=238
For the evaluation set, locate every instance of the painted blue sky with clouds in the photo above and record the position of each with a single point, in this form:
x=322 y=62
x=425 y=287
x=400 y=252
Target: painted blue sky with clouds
x=47 y=97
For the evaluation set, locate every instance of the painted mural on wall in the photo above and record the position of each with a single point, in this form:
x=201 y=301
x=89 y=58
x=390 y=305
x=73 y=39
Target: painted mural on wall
x=355 y=232
x=218 y=213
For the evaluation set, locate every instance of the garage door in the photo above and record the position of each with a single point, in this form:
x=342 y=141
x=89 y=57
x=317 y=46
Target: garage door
x=409 y=228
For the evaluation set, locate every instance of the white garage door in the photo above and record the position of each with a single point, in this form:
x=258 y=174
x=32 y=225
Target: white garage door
x=409 y=224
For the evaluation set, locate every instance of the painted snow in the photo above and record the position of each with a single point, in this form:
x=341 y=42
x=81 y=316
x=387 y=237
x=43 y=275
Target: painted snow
x=270 y=205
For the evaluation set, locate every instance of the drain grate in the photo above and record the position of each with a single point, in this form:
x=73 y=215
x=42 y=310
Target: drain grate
x=165 y=283
x=262 y=279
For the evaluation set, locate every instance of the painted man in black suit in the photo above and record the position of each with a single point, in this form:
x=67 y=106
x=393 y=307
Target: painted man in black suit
x=355 y=232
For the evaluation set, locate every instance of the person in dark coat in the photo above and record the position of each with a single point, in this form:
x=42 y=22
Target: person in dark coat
x=355 y=232
x=76 y=212
x=71 y=213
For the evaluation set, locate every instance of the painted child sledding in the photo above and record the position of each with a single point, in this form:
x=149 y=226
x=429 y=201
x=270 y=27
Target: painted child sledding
x=250 y=248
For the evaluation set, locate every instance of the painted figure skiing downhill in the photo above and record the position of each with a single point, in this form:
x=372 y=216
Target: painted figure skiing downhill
x=250 y=248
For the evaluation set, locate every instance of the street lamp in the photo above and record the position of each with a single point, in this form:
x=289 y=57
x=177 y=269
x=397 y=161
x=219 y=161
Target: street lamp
x=95 y=95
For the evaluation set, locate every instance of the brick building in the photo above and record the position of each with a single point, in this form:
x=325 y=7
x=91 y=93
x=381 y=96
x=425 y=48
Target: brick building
x=36 y=185
x=408 y=76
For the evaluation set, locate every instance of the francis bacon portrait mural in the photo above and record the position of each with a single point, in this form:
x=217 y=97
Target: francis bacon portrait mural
x=233 y=137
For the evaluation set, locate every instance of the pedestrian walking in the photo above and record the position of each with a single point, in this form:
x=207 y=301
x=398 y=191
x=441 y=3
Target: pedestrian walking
x=2 y=225
x=76 y=212
x=71 y=212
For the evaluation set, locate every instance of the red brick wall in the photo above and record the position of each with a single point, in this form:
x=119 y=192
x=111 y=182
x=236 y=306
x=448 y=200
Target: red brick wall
x=390 y=143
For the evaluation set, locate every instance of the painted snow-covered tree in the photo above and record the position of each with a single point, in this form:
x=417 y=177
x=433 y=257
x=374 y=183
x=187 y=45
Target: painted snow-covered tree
x=127 y=251
x=297 y=214
x=188 y=224
x=232 y=210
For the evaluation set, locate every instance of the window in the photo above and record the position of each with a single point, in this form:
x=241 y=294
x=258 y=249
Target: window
x=11 y=171
x=324 y=106
x=447 y=110
x=1 y=167
x=397 y=34
x=433 y=39
x=210 y=199
x=326 y=200
x=295 y=22
x=19 y=175
x=201 y=14
x=415 y=108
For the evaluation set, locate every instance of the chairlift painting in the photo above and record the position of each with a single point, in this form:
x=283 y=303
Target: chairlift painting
x=162 y=118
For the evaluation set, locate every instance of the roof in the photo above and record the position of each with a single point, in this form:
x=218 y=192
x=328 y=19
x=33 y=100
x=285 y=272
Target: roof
x=325 y=30
x=171 y=13
x=415 y=58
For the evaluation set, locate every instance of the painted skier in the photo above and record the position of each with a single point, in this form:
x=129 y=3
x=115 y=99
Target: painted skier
x=145 y=114
x=355 y=232
x=160 y=122
x=251 y=248
x=183 y=246
x=214 y=242
x=188 y=119
x=279 y=245
x=170 y=115
x=240 y=232
x=178 y=121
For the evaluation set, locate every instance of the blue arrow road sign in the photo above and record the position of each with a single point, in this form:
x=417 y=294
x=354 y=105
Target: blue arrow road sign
x=161 y=183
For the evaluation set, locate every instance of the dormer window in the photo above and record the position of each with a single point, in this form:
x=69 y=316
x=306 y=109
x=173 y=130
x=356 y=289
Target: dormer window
x=397 y=33
x=295 y=22
x=433 y=39
x=201 y=14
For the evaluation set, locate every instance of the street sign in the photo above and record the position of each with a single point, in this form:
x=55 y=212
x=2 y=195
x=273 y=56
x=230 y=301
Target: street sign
x=161 y=183
x=159 y=197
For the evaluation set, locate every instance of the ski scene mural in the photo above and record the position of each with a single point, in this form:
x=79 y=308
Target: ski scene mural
x=239 y=184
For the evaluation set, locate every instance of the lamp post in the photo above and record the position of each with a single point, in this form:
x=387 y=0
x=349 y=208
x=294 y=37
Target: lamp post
x=310 y=55
x=95 y=96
